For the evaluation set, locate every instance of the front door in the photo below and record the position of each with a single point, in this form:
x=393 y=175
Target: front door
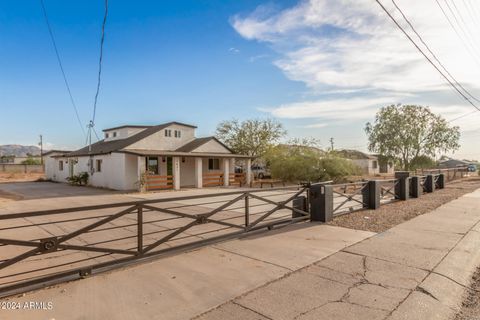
x=70 y=167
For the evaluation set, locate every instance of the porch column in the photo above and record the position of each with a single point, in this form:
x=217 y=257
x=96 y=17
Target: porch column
x=176 y=173
x=198 y=172
x=141 y=169
x=249 y=172
x=226 y=171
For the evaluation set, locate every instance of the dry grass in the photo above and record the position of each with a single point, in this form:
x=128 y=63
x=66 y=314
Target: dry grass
x=471 y=305
x=20 y=177
x=395 y=213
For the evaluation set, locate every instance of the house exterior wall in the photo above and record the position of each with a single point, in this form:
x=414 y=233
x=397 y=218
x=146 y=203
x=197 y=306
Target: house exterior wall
x=158 y=141
x=119 y=170
x=367 y=166
x=187 y=172
x=212 y=146
x=122 y=133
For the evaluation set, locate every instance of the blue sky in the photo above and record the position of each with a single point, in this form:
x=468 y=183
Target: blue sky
x=202 y=62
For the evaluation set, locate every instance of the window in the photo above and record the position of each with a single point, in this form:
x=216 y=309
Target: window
x=114 y=134
x=178 y=134
x=168 y=133
x=106 y=135
x=213 y=164
x=98 y=165
x=374 y=164
x=152 y=165
x=60 y=165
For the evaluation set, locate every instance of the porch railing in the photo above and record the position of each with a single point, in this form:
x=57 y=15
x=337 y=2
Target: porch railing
x=213 y=179
x=157 y=182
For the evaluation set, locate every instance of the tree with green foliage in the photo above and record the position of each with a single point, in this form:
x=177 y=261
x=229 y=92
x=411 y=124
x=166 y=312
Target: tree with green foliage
x=407 y=132
x=32 y=161
x=251 y=137
x=299 y=162
x=422 y=162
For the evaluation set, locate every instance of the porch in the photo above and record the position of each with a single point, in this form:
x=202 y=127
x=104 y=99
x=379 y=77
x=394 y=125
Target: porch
x=164 y=172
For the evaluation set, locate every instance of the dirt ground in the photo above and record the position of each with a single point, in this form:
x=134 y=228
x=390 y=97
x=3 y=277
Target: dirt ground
x=17 y=177
x=471 y=306
x=395 y=213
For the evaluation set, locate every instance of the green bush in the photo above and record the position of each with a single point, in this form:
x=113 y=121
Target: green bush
x=79 y=179
x=31 y=160
x=300 y=163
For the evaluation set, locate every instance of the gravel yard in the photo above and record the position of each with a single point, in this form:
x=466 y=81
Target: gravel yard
x=395 y=213
x=471 y=305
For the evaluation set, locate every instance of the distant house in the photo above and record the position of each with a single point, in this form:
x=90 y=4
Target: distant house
x=454 y=163
x=161 y=156
x=369 y=163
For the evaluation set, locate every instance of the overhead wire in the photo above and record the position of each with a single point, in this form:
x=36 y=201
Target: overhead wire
x=91 y=125
x=432 y=53
x=67 y=85
x=426 y=56
x=462 y=40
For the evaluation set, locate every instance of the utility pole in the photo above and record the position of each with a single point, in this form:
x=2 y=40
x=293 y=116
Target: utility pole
x=331 y=144
x=41 y=149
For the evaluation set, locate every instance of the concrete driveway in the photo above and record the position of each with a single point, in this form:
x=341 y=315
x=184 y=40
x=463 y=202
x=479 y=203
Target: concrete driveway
x=41 y=190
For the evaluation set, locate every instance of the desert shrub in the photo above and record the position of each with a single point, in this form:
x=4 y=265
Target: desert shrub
x=303 y=163
x=79 y=179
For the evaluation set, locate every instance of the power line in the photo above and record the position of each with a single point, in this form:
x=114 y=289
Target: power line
x=100 y=62
x=431 y=52
x=61 y=66
x=462 y=19
x=456 y=31
x=91 y=125
x=426 y=57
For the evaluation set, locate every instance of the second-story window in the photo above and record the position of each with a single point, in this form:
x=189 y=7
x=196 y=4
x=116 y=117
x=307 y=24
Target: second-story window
x=178 y=134
x=106 y=135
x=114 y=134
x=168 y=133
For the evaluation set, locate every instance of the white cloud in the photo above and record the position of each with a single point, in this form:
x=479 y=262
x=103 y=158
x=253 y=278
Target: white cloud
x=316 y=125
x=234 y=50
x=351 y=46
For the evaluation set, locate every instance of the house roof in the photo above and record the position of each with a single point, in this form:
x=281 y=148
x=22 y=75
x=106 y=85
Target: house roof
x=194 y=144
x=355 y=154
x=56 y=151
x=141 y=152
x=144 y=127
x=104 y=147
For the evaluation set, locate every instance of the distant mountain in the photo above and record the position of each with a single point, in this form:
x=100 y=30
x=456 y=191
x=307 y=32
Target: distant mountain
x=18 y=150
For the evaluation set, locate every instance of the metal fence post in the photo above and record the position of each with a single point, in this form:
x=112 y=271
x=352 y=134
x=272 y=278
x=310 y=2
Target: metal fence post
x=299 y=203
x=321 y=202
x=441 y=181
x=430 y=183
x=416 y=188
x=139 y=230
x=402 y=187
x=374 y=188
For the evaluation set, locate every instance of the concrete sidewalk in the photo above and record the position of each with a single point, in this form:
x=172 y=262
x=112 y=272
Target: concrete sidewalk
x=185 y=285
x=420 y=269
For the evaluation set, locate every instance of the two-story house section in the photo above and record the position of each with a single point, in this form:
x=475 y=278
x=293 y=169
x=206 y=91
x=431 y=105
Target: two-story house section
x=166 y=156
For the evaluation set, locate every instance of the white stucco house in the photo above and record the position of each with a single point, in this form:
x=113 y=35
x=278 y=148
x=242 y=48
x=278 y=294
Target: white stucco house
x=165 y=156
x=368 y=163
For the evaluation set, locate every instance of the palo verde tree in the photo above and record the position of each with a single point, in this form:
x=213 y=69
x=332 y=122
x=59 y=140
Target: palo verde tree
x=408 y=132
x=251 y=137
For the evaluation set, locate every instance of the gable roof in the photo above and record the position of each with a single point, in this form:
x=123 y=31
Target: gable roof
x=194 y=144
x=144 y=127
x=104 y=147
